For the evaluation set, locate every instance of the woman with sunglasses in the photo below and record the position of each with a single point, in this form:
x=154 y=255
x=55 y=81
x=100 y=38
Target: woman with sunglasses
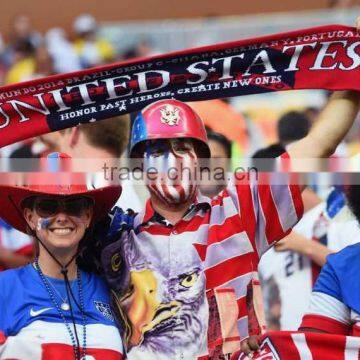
x=51 y=309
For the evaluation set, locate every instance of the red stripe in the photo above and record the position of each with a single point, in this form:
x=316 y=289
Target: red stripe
x=247 y=213
x=157 y=229
x=297 y=199
x=2 y=338
x=241 y=303
x=331 y=349
x=27 y=250
x=149 y=211
x=201 y=249
x=325 y=324
x=315 y=272
x=228 y=270
x=273 y=228
x=181 y=191
x=355 y=330
x=232 y=338
x=231 y=226
x=193 y=224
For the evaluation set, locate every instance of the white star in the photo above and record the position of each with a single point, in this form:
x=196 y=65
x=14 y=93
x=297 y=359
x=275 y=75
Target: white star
x=212 y=69
x=122 y=107
x=92 y=120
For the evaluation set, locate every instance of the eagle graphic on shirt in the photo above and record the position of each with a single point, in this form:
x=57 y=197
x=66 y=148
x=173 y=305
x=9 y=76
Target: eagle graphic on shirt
x=162 y=311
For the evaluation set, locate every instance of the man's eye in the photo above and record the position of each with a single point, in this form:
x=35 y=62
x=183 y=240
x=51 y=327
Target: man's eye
x=157 y=152
x=189 y=280
x=181 y=149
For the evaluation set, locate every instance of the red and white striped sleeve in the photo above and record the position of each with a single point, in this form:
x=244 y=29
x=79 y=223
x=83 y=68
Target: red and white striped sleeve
x=328 y=311
x=2 y=338
x=270 y=204
x=327 y=314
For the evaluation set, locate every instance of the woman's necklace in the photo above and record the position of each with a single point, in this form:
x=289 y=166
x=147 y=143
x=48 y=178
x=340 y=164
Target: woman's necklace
x=59 y=309
x=65 y=302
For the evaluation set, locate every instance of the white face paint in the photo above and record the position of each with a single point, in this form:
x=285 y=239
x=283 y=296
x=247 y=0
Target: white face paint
x=175 y=164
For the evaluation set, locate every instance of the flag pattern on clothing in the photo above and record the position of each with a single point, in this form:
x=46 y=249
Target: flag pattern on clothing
x=31 y=327
x=288 y=345
x=177 y=277
x=15 y=241
x=335 y=301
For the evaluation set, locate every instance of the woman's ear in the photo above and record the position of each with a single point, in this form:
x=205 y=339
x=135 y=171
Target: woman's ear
x=89 y=216
x=30 y=218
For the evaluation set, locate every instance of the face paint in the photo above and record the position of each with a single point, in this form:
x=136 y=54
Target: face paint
x=43 y=223
x=175 y=164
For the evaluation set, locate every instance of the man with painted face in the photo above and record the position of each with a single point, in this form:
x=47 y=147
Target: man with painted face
x=180 y=277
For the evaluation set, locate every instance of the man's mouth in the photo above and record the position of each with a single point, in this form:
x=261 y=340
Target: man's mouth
x=62 y=231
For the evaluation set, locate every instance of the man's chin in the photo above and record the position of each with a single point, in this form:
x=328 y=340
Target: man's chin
x=211 y=190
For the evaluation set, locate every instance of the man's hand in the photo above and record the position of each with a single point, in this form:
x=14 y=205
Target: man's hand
x=293 y=242
x=300 y=244
x=251 y=344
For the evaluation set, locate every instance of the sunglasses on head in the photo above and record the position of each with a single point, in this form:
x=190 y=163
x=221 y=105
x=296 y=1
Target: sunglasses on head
x=47 y=207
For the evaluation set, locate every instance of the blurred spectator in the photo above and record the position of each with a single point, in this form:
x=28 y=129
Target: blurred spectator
x=44 y=65
x=295 y=261
x=220 y=148
x=29 y=63
x=292 y=126
x=272 y=303
x=92 y=49
x=264 y=159
x=104 y=139
x=23 y=65
x=311 y=113
x=143 y=48
x=334 y=301
x=16 y=248
x=343 y=4
x=21 y=32
x=30 y=149
x=61 y=50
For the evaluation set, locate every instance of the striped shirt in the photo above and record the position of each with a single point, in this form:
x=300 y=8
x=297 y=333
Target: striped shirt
x=186 y=294
x=335 y=301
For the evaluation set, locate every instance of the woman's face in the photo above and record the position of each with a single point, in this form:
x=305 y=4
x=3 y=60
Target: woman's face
x=59 y=223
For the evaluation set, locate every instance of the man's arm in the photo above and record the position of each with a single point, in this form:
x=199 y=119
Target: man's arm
x=333 y=123
x=312 y=249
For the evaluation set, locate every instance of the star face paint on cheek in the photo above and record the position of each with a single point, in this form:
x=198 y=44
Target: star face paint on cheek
x=43 y=223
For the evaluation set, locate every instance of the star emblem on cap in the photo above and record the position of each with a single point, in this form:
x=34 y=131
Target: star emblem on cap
x=170 y=115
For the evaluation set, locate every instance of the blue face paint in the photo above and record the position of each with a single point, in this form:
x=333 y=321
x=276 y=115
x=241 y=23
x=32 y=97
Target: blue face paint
x=43 y=223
